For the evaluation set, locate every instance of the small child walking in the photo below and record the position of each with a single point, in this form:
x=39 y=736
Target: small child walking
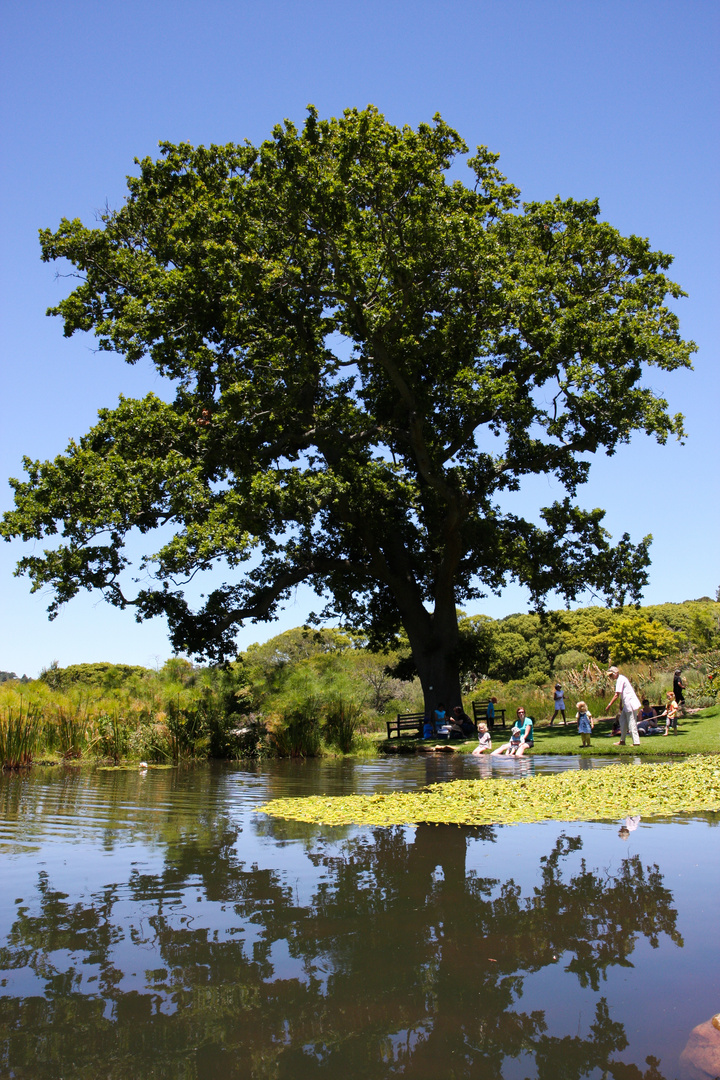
x=559 y=703
x=585 y=723
x=671 y=712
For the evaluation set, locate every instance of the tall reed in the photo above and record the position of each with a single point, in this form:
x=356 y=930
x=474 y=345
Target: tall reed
x=296 y=733
x=183 y=726
x=341 y=724
x=19 y=736
x=112 y=736
x=71 y=730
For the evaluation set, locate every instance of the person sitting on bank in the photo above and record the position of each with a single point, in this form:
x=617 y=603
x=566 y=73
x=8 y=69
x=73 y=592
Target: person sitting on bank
x=510 y=748
x=484 y=741
x=521 y=737
x=526 y=722
x=647 y=712
x=459 y=725
x=647 y=724
x=460 y=718
x=449 y=729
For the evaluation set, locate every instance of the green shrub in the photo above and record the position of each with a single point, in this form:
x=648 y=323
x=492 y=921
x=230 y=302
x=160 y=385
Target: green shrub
x=185 y=731
x=573 y=658
x=91 y=676
x=214 y=725
x=150 y=742
x=248 y=738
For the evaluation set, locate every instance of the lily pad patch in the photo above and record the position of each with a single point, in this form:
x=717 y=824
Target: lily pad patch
x=660 y=789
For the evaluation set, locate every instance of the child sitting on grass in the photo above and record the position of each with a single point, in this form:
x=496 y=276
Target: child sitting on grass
x=585 y=723
x=484 y=740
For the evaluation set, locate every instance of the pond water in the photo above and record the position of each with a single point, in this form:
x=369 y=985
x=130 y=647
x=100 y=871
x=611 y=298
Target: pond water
x=156 y=926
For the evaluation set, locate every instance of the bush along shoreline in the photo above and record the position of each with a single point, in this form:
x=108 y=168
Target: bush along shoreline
x=314 y=692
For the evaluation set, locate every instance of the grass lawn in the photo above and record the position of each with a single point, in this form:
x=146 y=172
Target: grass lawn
x=698 y=734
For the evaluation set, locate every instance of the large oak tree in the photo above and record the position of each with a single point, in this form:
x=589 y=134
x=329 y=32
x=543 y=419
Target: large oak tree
x=368 y=358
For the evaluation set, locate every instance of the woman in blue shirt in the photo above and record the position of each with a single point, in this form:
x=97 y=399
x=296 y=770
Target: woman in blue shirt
x=523 y=727
x=525 y=723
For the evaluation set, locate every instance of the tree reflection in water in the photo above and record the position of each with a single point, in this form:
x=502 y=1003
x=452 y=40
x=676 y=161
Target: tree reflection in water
x=400 y=963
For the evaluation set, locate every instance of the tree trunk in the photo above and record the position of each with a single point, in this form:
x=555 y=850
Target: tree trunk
x=434 y=641
x=433 y=636
x=439 y=678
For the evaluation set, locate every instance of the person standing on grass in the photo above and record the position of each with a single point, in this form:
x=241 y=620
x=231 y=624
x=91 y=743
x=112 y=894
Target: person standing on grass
x=671 y=712
x=559 y=704
x=630 y=703
x=584 y=722
x=678 y=687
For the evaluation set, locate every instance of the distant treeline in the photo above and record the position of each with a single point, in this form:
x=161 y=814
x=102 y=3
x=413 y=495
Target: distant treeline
x=536 y=646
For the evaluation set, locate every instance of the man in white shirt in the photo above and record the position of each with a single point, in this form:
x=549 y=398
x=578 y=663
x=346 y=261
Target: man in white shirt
x=630 y=703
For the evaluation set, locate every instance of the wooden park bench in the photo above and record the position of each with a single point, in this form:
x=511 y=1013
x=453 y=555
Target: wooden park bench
x=406 y=722
x=480 y=714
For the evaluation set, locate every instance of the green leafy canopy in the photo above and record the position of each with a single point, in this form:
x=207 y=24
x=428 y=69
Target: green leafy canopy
x=367 y=357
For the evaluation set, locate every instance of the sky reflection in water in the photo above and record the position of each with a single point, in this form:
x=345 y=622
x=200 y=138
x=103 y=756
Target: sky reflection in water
x=156 y=927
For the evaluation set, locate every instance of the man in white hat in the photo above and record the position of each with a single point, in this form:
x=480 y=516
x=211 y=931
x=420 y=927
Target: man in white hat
x=630 y=704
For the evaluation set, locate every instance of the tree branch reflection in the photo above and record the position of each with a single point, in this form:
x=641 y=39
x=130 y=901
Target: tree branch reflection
x=398 y=961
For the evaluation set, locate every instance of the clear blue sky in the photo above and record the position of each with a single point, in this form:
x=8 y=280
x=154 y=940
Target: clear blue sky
x=617 y=100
